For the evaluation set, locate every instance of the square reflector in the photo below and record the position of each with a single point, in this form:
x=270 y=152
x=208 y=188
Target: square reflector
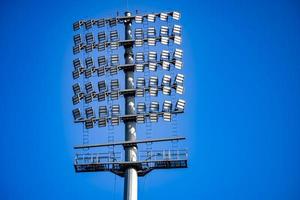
x=100 y=23
x=179 y=78
x=164 y=31
x=114 y=60
x=167 y=116
x=164 y=40
x=76 y=88
x=153 y=91
x=178 y=64
x=139 y=57
x=139 y=67
x=180 y=105
x=176 y=30
x=76 y=114
x=102 y=37
x=89 y=37
x=138 y=19
x=151 y=18
x=177 y=39
x=153 y=81
x=89 y=87
x=165 y=65
x=166 y=80
x=138 y=33
x=176 y=15
x=139 y=43
x=152 y=56
x=88 y=24
x=152 y=66
x=76 y=25
x=154 y=106
x=140 y=82
x=151 y=41
x=77 y=39
x=114 y=84
x=167 y=106
x=178 y=54
x=89 y=62
x=89 y=124
x=163 y=16
x=89 y=112
x=140 y=119
x=153 y=117
x=165 y=55
x=102 y=86
x=114 y=36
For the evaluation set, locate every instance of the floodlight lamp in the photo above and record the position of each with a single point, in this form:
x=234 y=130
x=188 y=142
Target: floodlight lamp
x=166 y=90
x=140 y=82
x=89 y=87
x=89 y=62
x=89 y=37
x=154 y=106
x=167 y=116
x=178 y=64
x=114 y=60
x=141 y=107
x=152 y=66
x=165 y=65
x=101 y=96
x=76 y=25
x=76 y=64
x=88 y=98
x=153 y=91
x=76 y=89
x=151 y=32
x=114 y=84
x=114 y=45
x=164 y=40
x=102 y=61
x=178 y=54
x=114 y=36
x=179 y=89
x=151 y=18
x=177 y=40
x=102 y=37
x=164 y=31
x=114 y=70
x=167 y=106
x=180 y=104
x=88 y=72
x=77 y=39
x=139 y=19
x=140 y=92
x=151 y=41
x=152 y=56
x=140 y=119
x=177 y=29
x=102 y=86
x=166 y=80
x=89 y=124
x=115 y=110
x=139 y=57
x=76 y=49
x=112 y=22
x=138 y=33
x=176 y=15
x=139 y=43
x=153 y=81
x=115 y=121
x=75 y=74
x=103 y=112
x=89 y=112
x=88 y=24
x=88 y=48
x=100 y=23
x=153 y=117
x=76 y=99
x=102 y=122
x=179 y=79
x=163 y=16
x=165 y=55
x=101 y=46
x=114 y=95
x=76 y=114
x=139 y=67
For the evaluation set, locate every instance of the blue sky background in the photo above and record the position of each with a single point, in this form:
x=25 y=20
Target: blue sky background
x=242 y=120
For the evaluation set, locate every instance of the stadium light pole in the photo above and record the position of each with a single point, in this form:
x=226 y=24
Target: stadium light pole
x=131 y=176
x=132 y=167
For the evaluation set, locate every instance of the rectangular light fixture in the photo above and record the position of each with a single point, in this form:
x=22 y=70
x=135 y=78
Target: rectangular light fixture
x=152 y=56
x=102 y=122
x=89 y=62
x=179 y=89
x=138 y=42
x=178 y=54
x=166 y=90
x=154 y=106
x=176 y=30
x=89 y=87
x=152 y=66
x=167 y=116
x=153 y=91
x=102 y=86
x=165 y=55
x=101 y=71
x=102 y=61
x=88 y=48
x=76 y=88
x=115 y=110
x=180 y=104
x=88 y=98
x=101 y=47
x=177 y=39
x=153 y=81
x=140 y=119
x=89 y=124
x=88 y=24
x=101 y=23
x=164 y=40
x=140 y=92
x=140 y=82
x=179 y=78
x=151 y=41
x=76 y=99
x=139 y=19
x=89 y=37
x=114 y=84
x=114 y=60
x=102 y=37
x=166 y=80
x=165 y=65
x=139 y=57
x=112 y=22
x=151 y=18
x=76 y=64
x=114 y=36
x=141 y=108
x=89 y=112
x=164 y=31
x=178 y=64
x=167 y=106
x=139 y=67
x=77 y=39
x=138 y=33
x=163 y=16
x=151 y=32
x=176 y=15
x=76 y=114
x=76 y=25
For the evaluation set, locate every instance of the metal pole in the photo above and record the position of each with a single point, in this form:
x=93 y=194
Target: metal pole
x=131 y=176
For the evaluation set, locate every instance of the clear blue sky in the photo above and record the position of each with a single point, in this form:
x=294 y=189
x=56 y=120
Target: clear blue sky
x=242 y=120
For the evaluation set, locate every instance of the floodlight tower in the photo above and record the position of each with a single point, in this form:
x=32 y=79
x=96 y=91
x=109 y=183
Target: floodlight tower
x=134 y=164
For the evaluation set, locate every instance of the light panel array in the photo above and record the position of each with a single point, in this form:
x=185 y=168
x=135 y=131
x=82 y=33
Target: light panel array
x=101 y=66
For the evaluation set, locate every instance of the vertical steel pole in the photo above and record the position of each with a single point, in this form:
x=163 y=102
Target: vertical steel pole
x=131 y=176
